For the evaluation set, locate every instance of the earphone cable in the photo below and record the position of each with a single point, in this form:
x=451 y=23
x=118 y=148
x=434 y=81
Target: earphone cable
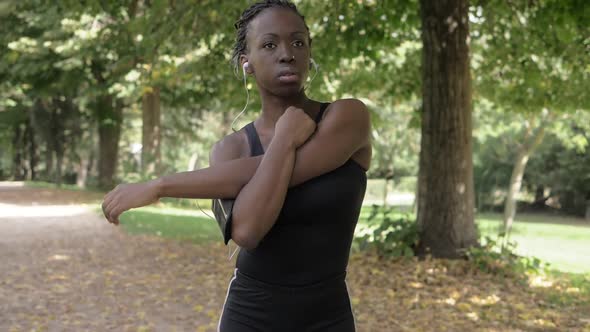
x=247 y=101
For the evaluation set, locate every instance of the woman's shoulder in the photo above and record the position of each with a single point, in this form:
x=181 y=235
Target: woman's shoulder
x=229 y=147
x=348 y=102
x=348 y=109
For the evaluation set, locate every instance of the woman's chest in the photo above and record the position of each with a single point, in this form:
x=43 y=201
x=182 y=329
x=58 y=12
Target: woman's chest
x=338 y=192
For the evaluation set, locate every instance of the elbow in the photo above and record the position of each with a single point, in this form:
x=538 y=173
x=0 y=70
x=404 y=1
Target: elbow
x=244 y=237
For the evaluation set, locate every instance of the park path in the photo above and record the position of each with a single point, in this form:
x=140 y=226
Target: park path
x=64 y=268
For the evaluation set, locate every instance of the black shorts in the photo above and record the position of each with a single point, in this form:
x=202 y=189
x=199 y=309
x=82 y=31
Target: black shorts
x=253 y=305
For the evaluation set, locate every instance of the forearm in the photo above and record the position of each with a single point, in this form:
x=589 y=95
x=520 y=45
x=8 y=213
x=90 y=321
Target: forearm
x=223 y=180
x=260 y=201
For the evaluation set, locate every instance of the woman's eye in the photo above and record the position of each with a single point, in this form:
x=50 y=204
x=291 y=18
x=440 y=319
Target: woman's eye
x=269 y=45
x=298 y=43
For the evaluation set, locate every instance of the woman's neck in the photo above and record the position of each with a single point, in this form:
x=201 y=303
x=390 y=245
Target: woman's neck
x=274 y=106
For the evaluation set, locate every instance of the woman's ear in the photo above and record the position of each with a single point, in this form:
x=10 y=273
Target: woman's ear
x=246 y=66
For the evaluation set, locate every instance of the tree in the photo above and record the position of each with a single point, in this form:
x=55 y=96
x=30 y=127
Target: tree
x=445 y=195
x=531 y=62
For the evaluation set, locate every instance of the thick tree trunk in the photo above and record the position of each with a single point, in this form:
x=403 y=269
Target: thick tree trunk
x=446 y=202
x=522 y=158
x=151 y=136
x=110 y=115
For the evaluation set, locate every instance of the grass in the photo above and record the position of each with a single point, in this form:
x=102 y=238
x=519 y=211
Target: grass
x=178 y=224
x=563 y=242
x=50 y=185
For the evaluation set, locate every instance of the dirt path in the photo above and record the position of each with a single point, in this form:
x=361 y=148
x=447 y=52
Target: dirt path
x=64 y=268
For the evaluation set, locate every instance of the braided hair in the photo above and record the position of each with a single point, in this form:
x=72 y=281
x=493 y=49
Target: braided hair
x=240 y=47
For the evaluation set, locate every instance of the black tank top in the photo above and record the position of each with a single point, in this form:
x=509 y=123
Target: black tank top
x=311 y=238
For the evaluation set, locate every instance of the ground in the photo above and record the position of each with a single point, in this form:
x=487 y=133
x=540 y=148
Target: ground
x=64 y=268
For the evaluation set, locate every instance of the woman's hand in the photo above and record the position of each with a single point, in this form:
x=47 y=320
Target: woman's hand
x=294 y=126
x=128 y=196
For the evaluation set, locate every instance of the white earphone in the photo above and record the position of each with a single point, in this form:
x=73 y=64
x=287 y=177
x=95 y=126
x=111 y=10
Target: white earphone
x=245 y=67
x=313 y=64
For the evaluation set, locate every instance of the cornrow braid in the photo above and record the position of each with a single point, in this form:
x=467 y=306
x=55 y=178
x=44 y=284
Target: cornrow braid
x=240 y=47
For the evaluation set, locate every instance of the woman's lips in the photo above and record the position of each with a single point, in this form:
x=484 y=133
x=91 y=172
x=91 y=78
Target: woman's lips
x=289 y=78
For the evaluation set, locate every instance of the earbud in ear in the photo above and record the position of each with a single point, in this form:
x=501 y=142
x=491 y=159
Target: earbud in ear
x=245 y=67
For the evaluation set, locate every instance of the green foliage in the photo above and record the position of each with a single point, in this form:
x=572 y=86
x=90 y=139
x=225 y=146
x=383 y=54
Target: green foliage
x=562 y=168
x=503 y=261
x=559 y=164
x=389 y=233
x=530 y=56
x=395 y=143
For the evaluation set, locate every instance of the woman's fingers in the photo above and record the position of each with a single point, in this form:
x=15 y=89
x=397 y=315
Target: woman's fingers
x=107 y=213
x=126 y=197
x=115 y=213
x=109 y=205
x=107 y=199
x=113 y=202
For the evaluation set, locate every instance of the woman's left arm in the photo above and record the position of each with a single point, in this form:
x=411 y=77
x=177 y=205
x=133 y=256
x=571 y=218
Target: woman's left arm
x=345 y=130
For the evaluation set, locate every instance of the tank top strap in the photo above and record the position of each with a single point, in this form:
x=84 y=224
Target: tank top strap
x=253 y=140
x=323 y=107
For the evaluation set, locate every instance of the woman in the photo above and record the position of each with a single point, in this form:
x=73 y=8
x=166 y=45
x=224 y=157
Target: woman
x=297 y=174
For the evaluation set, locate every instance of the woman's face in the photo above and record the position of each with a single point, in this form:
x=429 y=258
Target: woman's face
x=278 y=51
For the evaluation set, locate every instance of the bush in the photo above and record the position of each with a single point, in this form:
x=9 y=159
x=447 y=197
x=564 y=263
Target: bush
x=492 y=258
x=389 y=233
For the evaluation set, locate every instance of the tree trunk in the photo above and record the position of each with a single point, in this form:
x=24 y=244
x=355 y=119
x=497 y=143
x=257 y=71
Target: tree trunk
x=82 y=172
x=32 y=147
x=17 y=153
x=42 y=121
x=522 y=158
x=385 y=191
x=151 y=137
x=59 y=164
x=540 y=194
x=446 y=203
x=110 y=116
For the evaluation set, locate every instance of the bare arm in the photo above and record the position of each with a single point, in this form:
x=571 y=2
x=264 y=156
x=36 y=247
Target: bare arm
x=259 y=203
x=345 y=129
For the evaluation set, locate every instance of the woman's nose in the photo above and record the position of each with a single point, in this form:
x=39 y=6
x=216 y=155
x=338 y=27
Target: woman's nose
x=288 y=58
x=286 y=55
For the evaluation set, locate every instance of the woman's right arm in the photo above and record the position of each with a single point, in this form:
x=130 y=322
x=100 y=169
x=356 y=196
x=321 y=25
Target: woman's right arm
x=260 y=201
